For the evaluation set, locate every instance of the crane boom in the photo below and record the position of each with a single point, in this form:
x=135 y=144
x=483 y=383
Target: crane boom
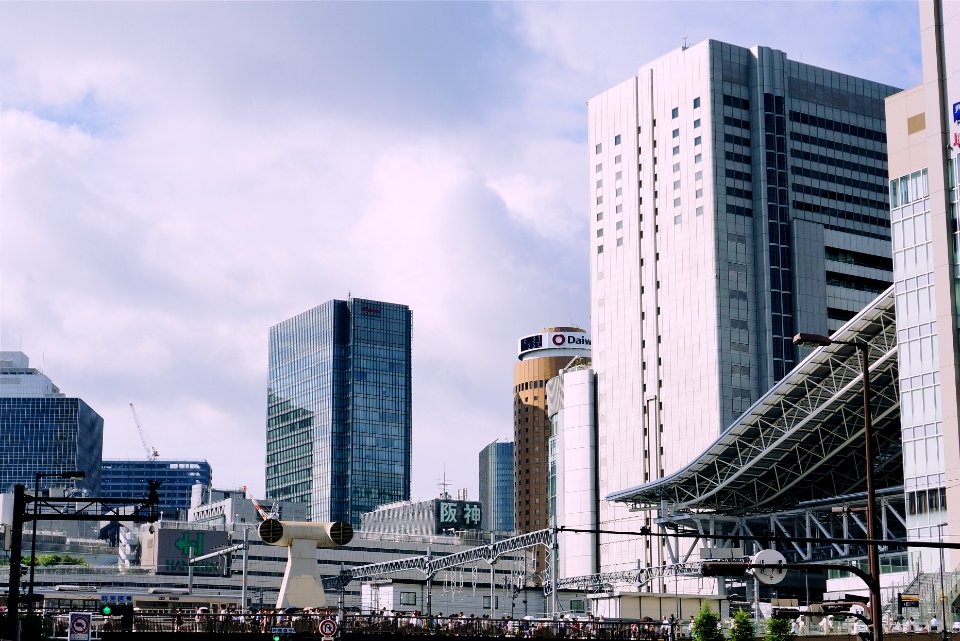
x=151 y=451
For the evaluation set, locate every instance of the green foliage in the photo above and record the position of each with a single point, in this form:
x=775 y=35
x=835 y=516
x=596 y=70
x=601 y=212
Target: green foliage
x=705 y=625
x=779 y=630
x=56 y=559
x=742 y=629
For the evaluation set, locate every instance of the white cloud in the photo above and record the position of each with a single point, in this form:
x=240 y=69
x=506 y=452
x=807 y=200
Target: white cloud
x=174 y=179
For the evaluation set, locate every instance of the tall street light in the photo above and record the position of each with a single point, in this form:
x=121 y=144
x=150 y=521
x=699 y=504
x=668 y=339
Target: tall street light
x=873 y=554
x=75 y=474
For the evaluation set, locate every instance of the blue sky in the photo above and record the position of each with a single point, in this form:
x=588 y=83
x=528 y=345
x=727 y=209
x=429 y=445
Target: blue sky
x=177 y=177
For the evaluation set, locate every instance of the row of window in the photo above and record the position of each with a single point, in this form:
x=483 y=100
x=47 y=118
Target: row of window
x=837 y=126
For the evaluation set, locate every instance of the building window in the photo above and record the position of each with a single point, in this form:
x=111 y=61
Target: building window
x=599 y=233
x=699 y=211
x=676 y=184
x=676 y=151
x=696 y=123
x=408 y=598
x=616 y=159
x=676 y=167
x=676 y=202
x=619 y=242
x=599 y=168
x=599 y=147
x=699 y=193
x=619 y=224
x=618 y=175
x=619 y=209
x=599 y=183
x=599 y=215
x=698 y=158
x=676 y=133
x=599 y=200
x=696 y=102
x=616 y=139
x=698 y=175
x=675 y=112
x=697 y=141
x=599 y=251
x=676 y=219
x=619 y=191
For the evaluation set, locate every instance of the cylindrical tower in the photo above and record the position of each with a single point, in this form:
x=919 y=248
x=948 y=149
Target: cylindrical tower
x=541 y=356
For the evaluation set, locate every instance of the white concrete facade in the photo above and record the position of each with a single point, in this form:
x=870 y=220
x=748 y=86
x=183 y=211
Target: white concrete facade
x=571 y=402
x=720 y=224
x=923 y=131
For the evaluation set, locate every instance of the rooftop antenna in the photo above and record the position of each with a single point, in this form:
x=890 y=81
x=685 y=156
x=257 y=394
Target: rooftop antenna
x=444 y=484
x=684 y=43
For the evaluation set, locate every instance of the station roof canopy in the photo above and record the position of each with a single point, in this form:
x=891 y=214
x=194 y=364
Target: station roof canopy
x=804 y=439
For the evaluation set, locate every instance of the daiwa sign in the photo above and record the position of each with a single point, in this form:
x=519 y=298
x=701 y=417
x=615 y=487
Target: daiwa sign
x=547 y=341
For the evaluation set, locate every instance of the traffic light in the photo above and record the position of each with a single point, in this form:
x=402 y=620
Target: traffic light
x=106 y=609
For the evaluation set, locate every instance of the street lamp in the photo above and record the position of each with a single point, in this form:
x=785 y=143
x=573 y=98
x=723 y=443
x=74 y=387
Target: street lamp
x=75 y=474
x=873 y=554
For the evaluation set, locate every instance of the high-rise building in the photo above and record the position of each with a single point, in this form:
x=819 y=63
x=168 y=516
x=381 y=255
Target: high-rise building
x=128 y=479
x=541 y=357
x=572 y=405
x=339 y=409
x=923 y=124
x=736 y=197
x=43 y=431
x=496 y=486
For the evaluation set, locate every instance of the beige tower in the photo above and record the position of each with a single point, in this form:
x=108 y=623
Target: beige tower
x=541 y=358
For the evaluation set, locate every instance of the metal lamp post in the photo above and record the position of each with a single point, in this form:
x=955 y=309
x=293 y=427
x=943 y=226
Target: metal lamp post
x=873 y=554
x=74 y=474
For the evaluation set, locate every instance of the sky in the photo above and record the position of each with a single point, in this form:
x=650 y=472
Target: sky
x=175 y=178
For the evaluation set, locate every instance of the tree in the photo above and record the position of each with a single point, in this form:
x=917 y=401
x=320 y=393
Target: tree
x=706 y=625
x=779 y=630
x=743 y=629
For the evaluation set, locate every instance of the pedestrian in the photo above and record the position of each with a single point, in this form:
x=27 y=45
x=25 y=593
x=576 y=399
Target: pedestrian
x=934 y=624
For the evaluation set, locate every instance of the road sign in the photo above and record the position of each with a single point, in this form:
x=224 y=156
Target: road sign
x=79 y=629
x=328 y=628
x=282 y=630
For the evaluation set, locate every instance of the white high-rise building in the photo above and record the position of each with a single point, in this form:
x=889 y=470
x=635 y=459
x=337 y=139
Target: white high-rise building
x=737 y=197
x=924 y=127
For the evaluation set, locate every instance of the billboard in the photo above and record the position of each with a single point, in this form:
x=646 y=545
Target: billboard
x=456 y=515
x=572 y=340
x=173 y=548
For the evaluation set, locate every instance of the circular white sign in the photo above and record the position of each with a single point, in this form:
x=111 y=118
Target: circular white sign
x=771 y=573
x=328 y=627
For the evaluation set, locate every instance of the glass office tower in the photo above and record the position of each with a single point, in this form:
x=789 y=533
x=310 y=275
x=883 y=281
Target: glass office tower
x=44 y=431
x=339 y=409
x=128 y=479
x=496 y=487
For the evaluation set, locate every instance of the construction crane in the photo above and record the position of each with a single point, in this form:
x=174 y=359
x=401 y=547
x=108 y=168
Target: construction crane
x=151 y=451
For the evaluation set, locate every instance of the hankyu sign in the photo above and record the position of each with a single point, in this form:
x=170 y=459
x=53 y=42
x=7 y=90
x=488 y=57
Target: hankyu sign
x=554 y=340
x=456 y=515
x=956 y=112
x=175 y=547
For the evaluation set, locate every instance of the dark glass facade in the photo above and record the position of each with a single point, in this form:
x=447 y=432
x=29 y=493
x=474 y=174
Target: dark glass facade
x=496 y=487
x=128 y=479
x=339 y=409
x=49 y=435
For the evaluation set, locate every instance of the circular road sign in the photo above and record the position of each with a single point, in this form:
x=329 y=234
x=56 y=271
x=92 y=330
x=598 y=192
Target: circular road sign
x=80 y=624
x=328 y=627
x=771 y=573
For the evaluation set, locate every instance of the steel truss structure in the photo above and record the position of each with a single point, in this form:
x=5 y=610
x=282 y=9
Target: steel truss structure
x=803 y=439
x=429 y=565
